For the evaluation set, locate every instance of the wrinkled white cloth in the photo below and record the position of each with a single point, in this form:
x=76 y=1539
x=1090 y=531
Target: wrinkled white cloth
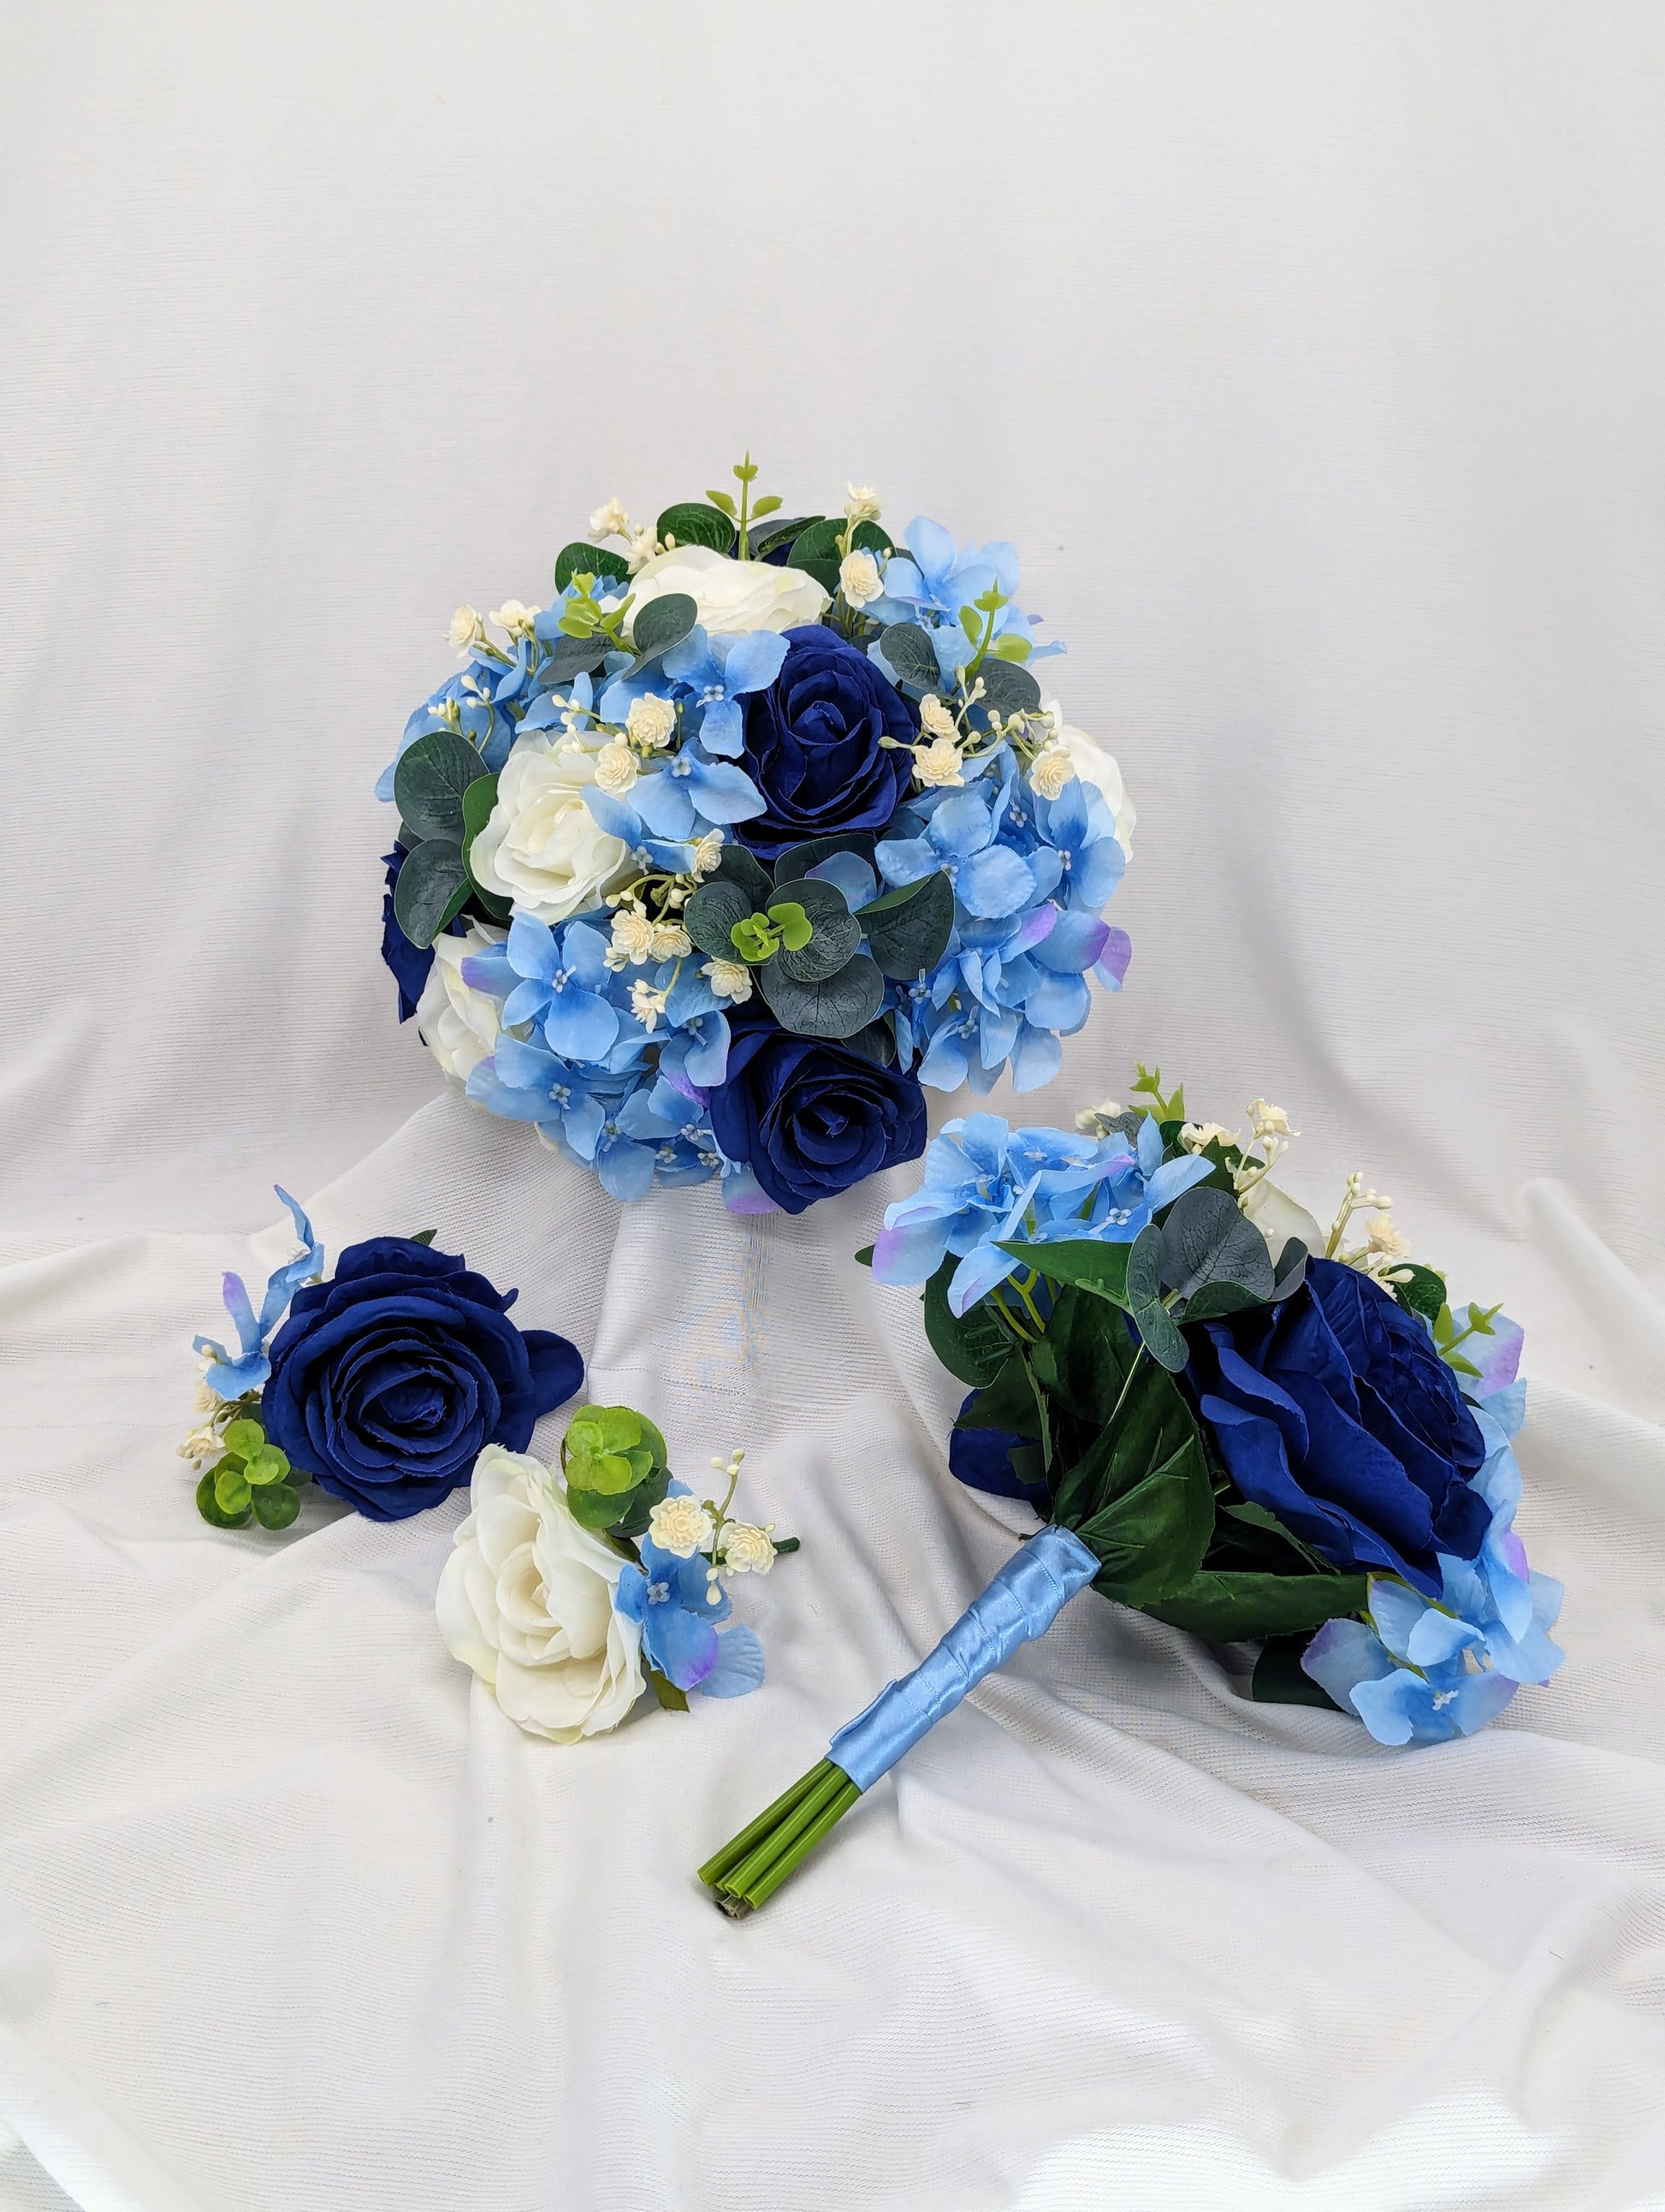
x=1311 y=357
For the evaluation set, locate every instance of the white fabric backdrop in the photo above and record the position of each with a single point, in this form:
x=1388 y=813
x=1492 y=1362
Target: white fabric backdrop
x=1312 y=355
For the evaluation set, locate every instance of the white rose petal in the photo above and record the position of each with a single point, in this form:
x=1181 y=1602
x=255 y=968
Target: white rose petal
x=542 y=846
x=527 y=1599
x=732 y=597
x=459 y=1024
x=1095 y=766
x=1279 y=1217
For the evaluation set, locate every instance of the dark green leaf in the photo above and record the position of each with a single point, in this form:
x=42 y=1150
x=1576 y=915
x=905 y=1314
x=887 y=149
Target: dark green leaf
x=1216 y=1298
x=837 y=934
x=210 y=1508
x=1205 y=1239
x=432 y=887
x=1145 y=1447
x=1422 y=1291
x=634 y=1522
x=429 y=781
x=1008 y=688
x=975 y=1345
x=1291 y=1270
x=571 y=657
x=478 y=800
x=1144 y=1267
x=1100 y=1268
x=839 y=1008
x=819 y=542
x=1160 y=1336
x=662 y=623
x=1086 y=1353
x=735 y=864
x=868 y=537
x=578 y=559
x=875 y=1042
x=911 y=656
x=673 y=1699
x=277 y=1506
x=690 y=524
x=1280 y=1679
x=1151 y=1539
x=1229 y=1607
x=797 y=860
x=711 y=914
x=1011 y=1401
x=424 y=1237
x=863 y=1258
x=599 y=1508
x=908 y=929
x=781 y=531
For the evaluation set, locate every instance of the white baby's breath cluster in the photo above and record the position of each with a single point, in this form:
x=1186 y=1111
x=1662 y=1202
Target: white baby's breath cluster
x=1385 y=1247
x=611 y=521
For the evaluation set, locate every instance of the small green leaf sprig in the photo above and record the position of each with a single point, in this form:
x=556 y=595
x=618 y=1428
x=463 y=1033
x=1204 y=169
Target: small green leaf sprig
x=252 y=1480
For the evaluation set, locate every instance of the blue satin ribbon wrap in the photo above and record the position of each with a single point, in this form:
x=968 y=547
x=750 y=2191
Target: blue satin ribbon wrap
x=1022 y=1603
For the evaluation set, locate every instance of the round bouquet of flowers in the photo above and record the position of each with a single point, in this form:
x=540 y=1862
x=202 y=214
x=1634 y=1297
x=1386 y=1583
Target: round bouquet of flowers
x=706 y=866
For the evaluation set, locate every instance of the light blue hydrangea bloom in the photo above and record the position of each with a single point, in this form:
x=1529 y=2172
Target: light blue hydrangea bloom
x=672 y=1600
x=229 y=1377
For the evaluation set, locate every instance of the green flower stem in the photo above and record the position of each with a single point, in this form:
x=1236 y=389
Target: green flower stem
x=752 y=1868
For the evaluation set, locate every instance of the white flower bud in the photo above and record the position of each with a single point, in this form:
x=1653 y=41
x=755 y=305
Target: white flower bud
x=939 y=763
x=632 y=937
x=729 y=979
x=615 y=770
x=646 y=1005
x=1197 y=1136
x=859 y=579
x=747 y=1550
x=670 y=942
x=680 y=1526
x=861 y=503
x=651 y=722
x=708 y=853
x=935 y=719
x=515 y=618
x=464 y=624
x=609 y=521
x=1272 y=1121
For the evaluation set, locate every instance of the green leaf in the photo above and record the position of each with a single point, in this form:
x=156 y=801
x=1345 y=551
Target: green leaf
x=795 y=863
x=781 y=531
x=231 y=1489
x=429 y=781
x=835 y=1009
x=1229 y=1607
x=837 y=934
x=1160 y=1336
x=673 y=1699
x=1011 y=1401
x=875 y=1042
x=1279 y=1680
x=735 y=864
x=662 y=623
x=817 y=542
x=722 y=501
x=1007 y=689
x=574 y=656
x=1084 y=1358
x=911 y=656
x=908 y=929
x=432 y=888
x=1100 y=1268
x=794 y=924
x=424 y=1237
x=690 y=524
x=1152 y=1537
x=974 y=1345
x=1205 y=1239
x=1216 y=1298
x=209 y=1505
x=1462 y=1366
x=268 y=1465
x=1144 y=1267
x=633 y=1522
x=598 y=1509
x=868 y=537
x=478 y=800
x=578 y=559
x=713 y=913
x=863 y=1258
x=243 y=1438
x=277 y=1506
x=1013 y=646
x=765 y=505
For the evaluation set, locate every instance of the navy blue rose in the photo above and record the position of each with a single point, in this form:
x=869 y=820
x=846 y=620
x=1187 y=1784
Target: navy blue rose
x=387 y=1382
x=812 y=1118
x=1335 y=1413
x=408 y=963
x=812 y=744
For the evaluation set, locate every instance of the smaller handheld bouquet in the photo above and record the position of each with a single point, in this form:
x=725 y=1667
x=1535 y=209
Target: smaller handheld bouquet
x=1225 y=1417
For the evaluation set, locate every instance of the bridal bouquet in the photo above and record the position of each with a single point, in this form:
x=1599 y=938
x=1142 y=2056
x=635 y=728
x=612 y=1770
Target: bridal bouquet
x=705 y=867
x=1223 y=1415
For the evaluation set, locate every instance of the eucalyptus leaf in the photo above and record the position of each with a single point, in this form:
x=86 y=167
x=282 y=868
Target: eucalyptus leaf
x=797 y=860
x=578 y=559
x=875 y=1042
x=478 y=800
x=907 y=930
x=835 y=1009
x=781 y=531
x=692 y=524
x=430 y=780
x=598 y=1509
x=1143 y=1285
x=836 y=932
x=432 y=888
x=1216 y=1298
x=232 y=1492
x=735 y=864
x=212 y=1511
x=1207 y=1239
x=662 y=623
x=1008 y=688
x=910 y=654
x=1160 y=1336
x=571 y=657
x=243 y=1438
x=712 y=913
x=277 y=1506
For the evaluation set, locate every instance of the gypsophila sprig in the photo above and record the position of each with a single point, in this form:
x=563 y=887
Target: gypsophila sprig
x=1222 y=1416
x=717 y=720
